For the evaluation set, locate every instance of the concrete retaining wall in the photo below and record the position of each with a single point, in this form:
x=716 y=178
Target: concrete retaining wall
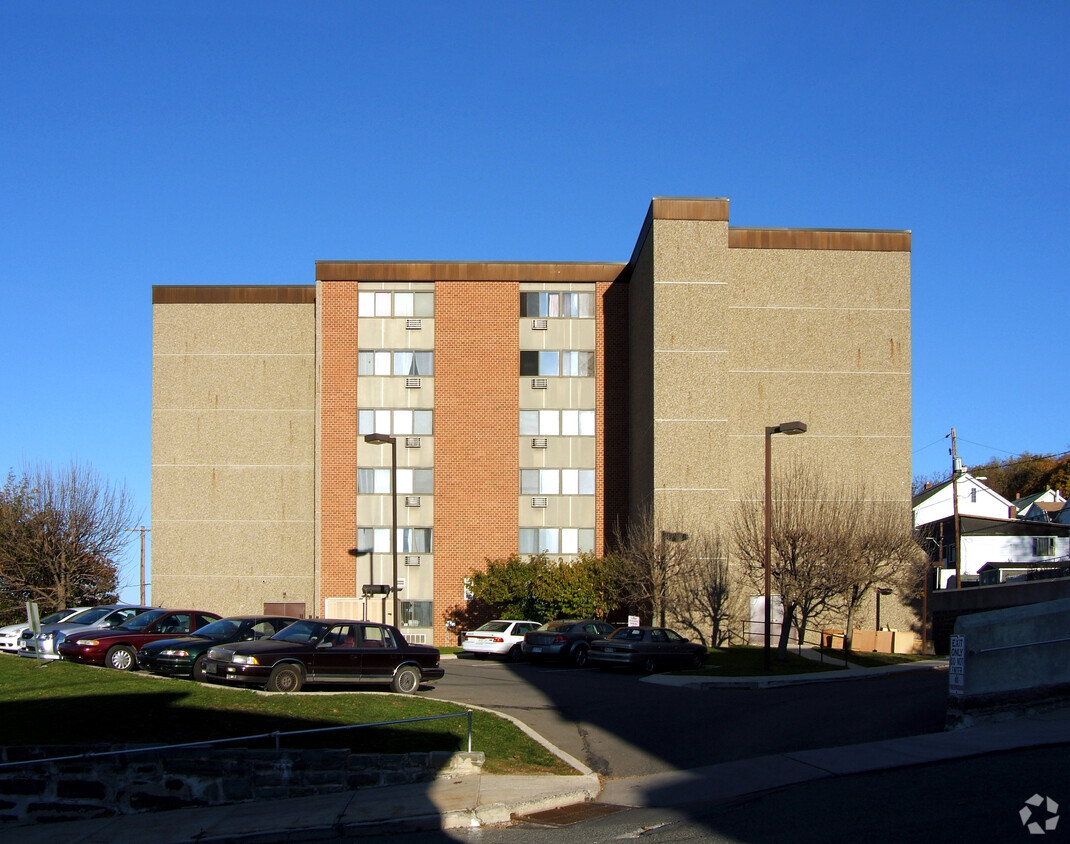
x=160 y=780
x=1011 y=659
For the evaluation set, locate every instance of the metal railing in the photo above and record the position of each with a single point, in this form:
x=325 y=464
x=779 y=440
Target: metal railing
x=277 y=734
x=797 y=643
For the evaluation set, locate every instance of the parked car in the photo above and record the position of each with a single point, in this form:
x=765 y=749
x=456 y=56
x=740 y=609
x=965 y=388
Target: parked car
x=568 y=639
x=500 y=637
x=107 y=616
x=12 y=634
x=117 y=648
x=647 y=648
x=326 y=651
x=186 y=656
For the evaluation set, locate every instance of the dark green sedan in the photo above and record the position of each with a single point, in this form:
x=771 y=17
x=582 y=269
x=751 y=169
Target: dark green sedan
x=184 y=657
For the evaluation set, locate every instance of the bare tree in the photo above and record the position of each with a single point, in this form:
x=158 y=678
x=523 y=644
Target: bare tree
x=812 y=522
x=885 y=554
x=60 y=535
x=652 y=560
x=705 y=601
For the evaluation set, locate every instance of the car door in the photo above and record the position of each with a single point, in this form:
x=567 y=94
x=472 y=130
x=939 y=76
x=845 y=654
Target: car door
x=337 y=658
x=379 y=652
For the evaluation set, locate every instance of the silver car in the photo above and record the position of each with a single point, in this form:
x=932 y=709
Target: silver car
x=10 y=635
x=44 y=646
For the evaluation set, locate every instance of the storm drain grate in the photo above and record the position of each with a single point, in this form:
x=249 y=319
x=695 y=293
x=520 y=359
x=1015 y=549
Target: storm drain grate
x=566 y=815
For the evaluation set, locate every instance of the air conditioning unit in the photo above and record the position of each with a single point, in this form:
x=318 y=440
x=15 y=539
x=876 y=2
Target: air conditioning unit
x=539 y=442
x=538 y=383
x=412 y=501
x=412 y=559
x=414 y=324
x=539 y=324
x=539 y=502
x=413 y=383
x=412 y=442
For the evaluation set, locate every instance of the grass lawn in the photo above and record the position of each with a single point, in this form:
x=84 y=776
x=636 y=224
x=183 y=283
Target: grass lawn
x=56 y=703
x=876 y=660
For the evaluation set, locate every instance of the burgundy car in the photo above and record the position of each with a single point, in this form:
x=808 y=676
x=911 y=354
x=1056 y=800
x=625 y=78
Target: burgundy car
x=118 y=647
x=316 y=650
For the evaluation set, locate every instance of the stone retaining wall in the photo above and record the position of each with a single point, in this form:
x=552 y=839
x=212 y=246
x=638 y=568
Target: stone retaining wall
x=152 y=781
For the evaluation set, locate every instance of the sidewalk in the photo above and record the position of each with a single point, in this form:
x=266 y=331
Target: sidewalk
x=479 y=799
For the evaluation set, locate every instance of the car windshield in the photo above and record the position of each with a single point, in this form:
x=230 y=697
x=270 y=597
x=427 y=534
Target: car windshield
x=558 y=626
x=494 y=627
x=301 y=632
x=627 y=634
x=89 y=616
x=222 y=629
x=54 y=617
x=142 y=621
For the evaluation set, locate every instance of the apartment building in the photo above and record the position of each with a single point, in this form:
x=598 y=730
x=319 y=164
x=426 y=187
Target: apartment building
x=531 y=407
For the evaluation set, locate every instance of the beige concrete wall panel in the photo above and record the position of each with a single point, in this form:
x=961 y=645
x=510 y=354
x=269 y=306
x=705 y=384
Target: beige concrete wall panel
x=234 y=438
x=690 y=251
x=559 y=334
x=562 y=393
x=820 y=278
x=836 y=339
x=561 y=452
x=371 y=456
x=231 y=595
x=377 y=392
x=552 y=286
x=691 y=316
x=394 y=333
x=265 y=494
x=246 y=549
x=691 y=456
x=231 y=329
x=840 y=404
x=692 y=385
x=248 y=382
x=375 y=511
x=561 y=511
x=419 y=581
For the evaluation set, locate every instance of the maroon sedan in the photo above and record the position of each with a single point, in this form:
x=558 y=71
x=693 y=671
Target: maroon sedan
x=118 y=647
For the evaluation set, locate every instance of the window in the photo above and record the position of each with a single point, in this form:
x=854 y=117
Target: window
x=1044 y=546
x=415 y=613
x=414 y=540
x=552 y=423
x=410 y=481
x=567 y=363
x=973 y=495
x=377 y=637
x=396 y=422
x=404 y=363
x=567 y=305
x=376 y=540
x=557 y=481
x=556 y=540
x=383 y=303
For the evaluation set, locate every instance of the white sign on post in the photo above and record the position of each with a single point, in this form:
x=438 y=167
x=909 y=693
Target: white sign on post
x=956 y=676
x=633 y=621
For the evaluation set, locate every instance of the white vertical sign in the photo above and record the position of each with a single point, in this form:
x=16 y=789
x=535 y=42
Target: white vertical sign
x=956 y=677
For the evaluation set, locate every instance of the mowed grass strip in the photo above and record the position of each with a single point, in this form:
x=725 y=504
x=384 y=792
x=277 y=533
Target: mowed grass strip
x=62 y=703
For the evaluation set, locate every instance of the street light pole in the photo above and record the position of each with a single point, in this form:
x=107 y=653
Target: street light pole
x=383 y=439
x=783 y=428
x=142 y=530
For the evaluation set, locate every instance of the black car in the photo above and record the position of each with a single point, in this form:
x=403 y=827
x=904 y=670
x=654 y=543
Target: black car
x=648 y=649
x=185 y=656
x=326 y=651
x=569 y=639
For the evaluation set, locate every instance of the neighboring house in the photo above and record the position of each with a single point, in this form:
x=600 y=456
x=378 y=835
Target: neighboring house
x=995 y=542
x=1040 y=506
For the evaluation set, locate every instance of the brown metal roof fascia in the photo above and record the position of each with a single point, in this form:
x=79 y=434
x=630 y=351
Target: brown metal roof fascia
x=221 y=294
x=664 y=208
x=845 y=240
x=465 y=271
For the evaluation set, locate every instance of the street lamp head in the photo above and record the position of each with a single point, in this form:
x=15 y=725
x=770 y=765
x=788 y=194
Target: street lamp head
x=791 y=428
x=378 y=439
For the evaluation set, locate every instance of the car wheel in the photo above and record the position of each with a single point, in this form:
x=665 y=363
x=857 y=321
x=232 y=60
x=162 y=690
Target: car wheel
x=407 y=680
x=698 y=660
x=121 y=658
x=649 y=665
x=285 y=678
x=515 y=654
x=579 y=656
x=199 y=673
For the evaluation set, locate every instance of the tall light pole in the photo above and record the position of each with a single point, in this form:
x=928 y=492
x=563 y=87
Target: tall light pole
x=383 y=439
x=782 y=428
x=142 y=530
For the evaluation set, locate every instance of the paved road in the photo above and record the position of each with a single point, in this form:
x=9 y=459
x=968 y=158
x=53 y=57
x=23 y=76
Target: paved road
x=622 y=727
x=976 y=800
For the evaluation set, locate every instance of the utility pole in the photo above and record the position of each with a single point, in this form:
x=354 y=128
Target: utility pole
x=142 y=530
x=956 y=470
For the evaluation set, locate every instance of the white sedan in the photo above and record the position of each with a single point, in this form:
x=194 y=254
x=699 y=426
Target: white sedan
x=9 y=636
x=500 y=637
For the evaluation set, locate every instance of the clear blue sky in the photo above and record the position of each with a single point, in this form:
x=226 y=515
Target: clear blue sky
x=148 y=143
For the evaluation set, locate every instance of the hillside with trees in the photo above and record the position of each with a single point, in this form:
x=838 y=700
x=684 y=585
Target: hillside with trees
x=1017 y=477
